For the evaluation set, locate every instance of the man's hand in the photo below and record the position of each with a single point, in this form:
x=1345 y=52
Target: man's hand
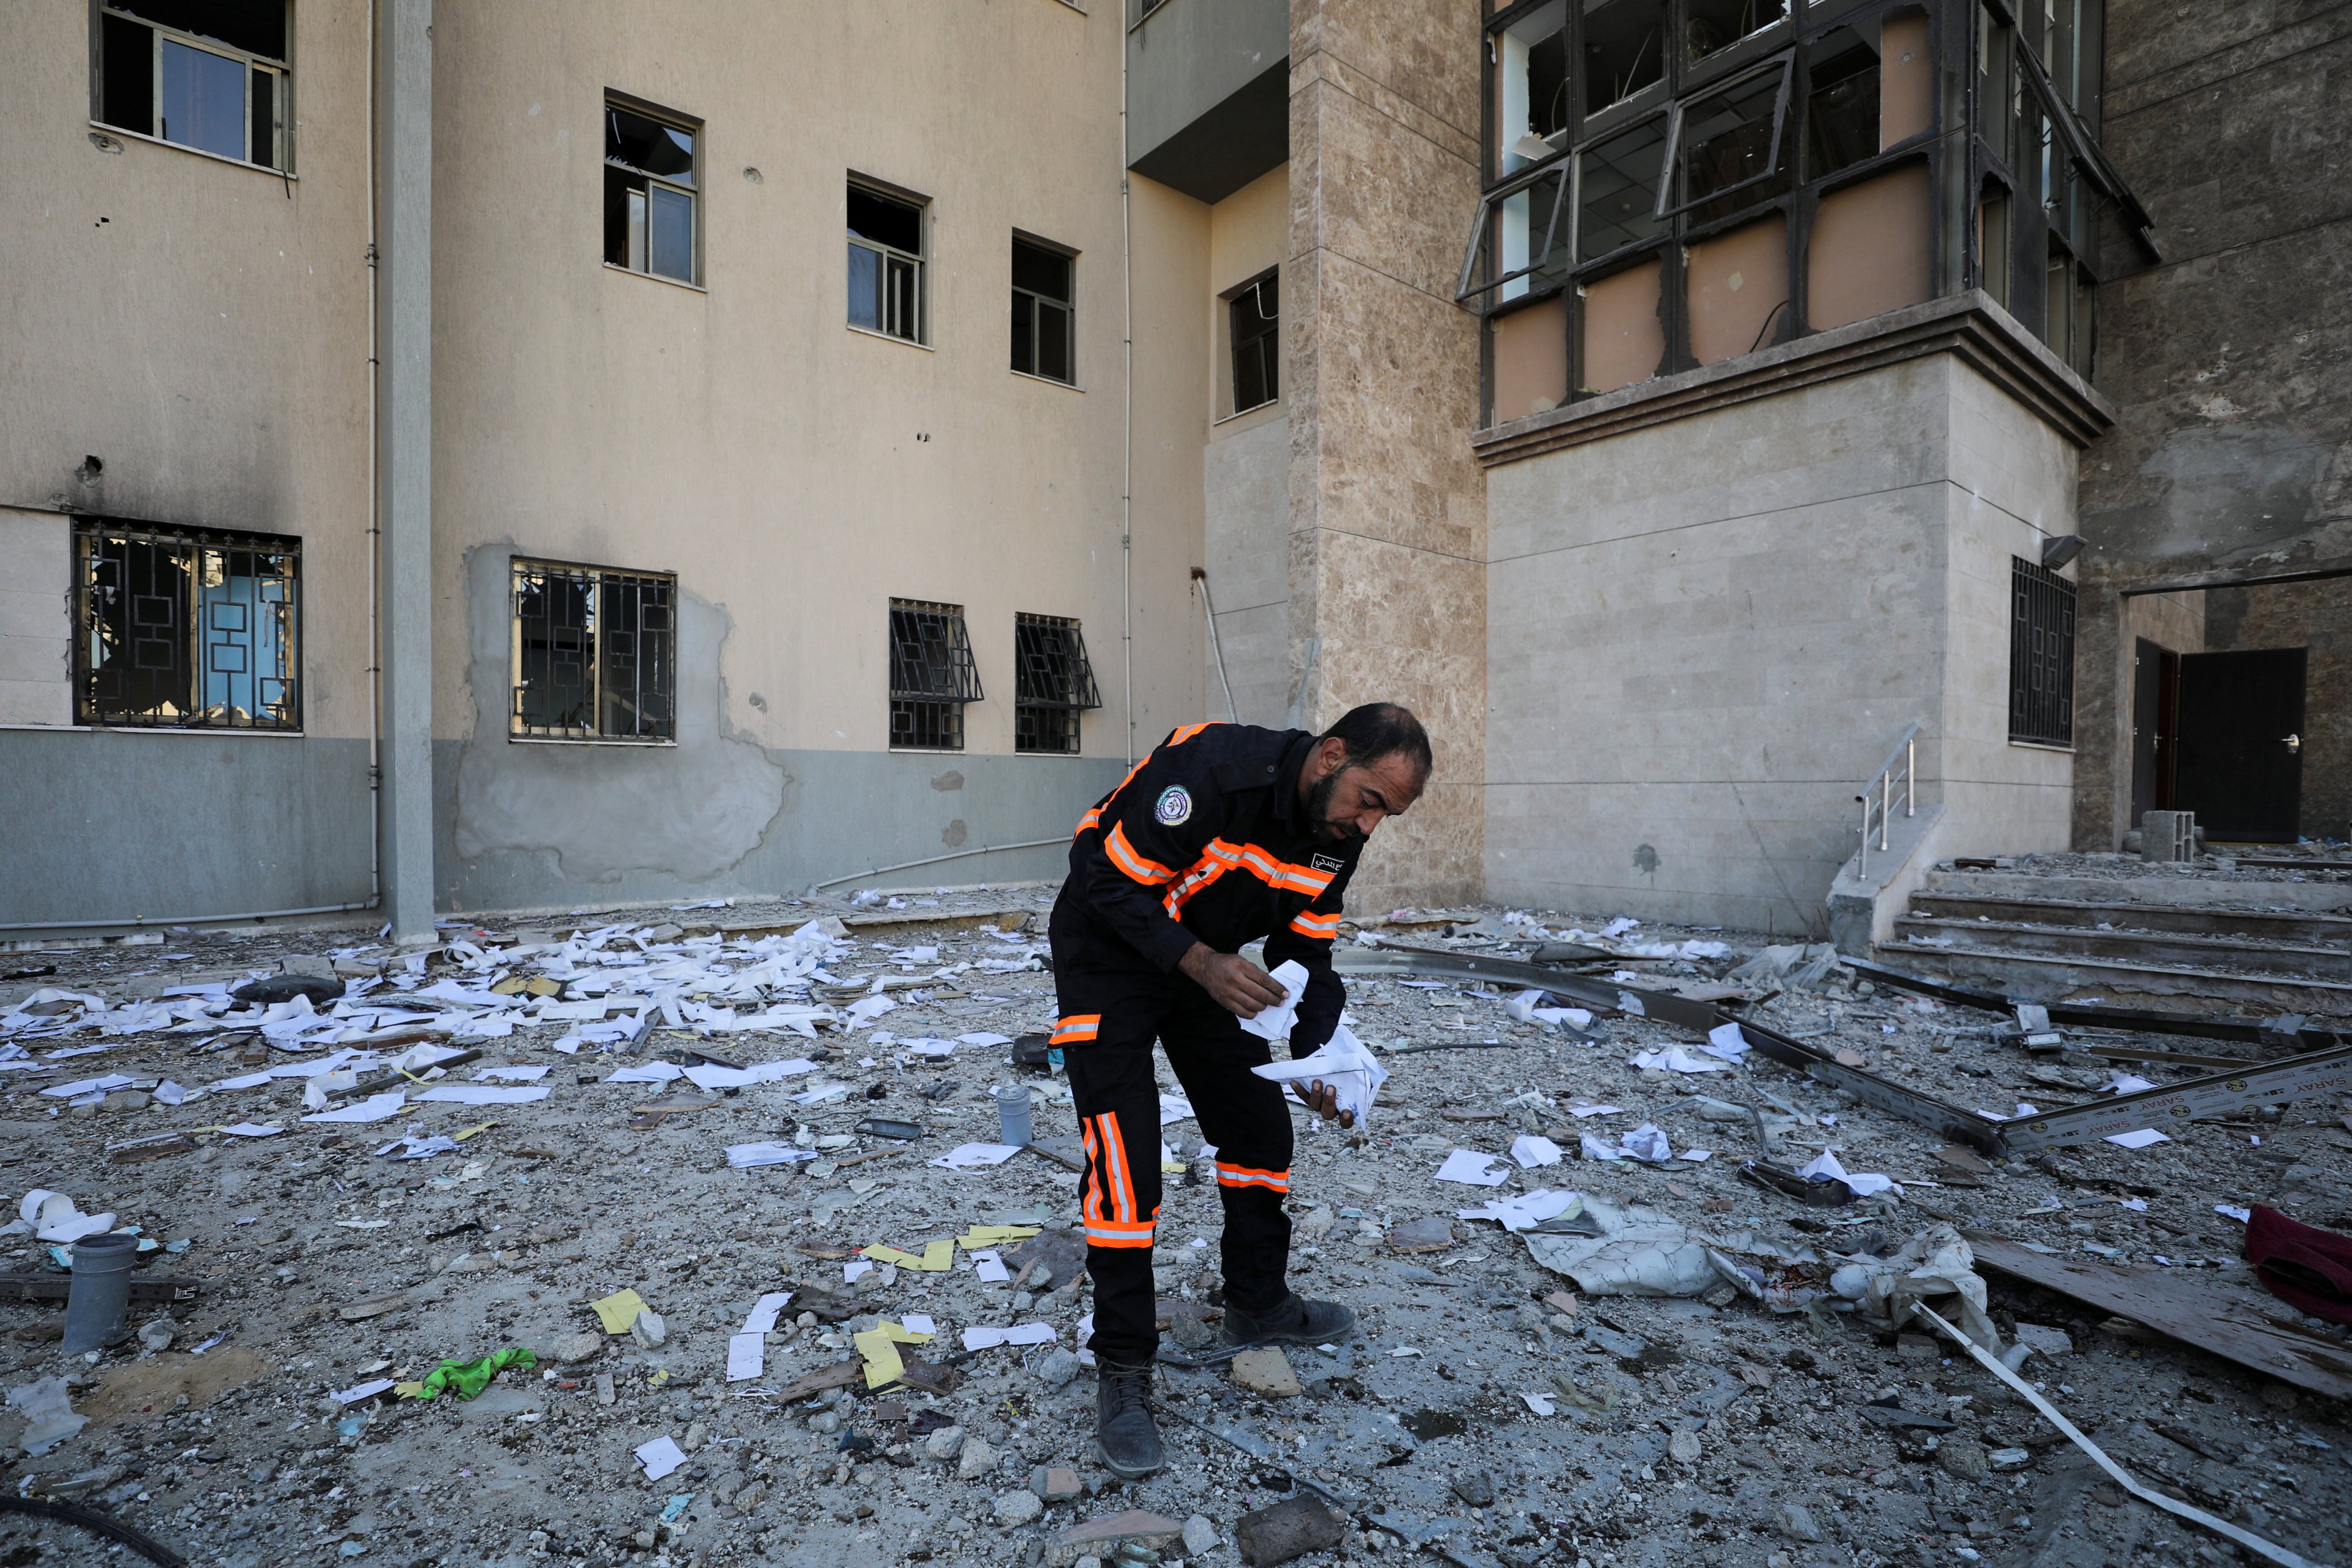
x=1324 y=1102
x=1236 y=985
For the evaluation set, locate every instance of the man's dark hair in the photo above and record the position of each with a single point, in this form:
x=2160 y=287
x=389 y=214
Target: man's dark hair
x=1380 y=729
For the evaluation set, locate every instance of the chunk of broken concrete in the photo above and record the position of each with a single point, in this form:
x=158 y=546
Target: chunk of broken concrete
x=1964 y=1457
x=1200 y=1535
x=573 y=1349
x=1684 y=1446
x=1266 y=1371
x=1018 y=1507
x=1421 y=1236
x=1795 y=1521
x=1103 y=1537
x=944 y=1444
x=976 y=1460
x=1289 y=1529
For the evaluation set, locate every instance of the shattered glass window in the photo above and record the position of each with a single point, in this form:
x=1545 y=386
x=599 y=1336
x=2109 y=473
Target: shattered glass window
x=186 y=629
x=595 y=654
x=648 y=195
x=886 y=264
x=1053 y=683
x=207 y=74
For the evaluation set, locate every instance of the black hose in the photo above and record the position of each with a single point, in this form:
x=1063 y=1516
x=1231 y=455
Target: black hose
x=97 y=1523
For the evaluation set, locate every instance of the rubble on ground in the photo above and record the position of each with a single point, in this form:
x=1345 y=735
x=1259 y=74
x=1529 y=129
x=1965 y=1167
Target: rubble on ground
x=1775 y=1409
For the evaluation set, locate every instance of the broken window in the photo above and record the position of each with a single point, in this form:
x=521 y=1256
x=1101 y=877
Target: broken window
x=1042 y=331
x=207 y=74
x=186 y=629
x=1727 y=140
x=1253 y=317
x=1617 y=191
x=886 y=264
x=1053 y=683
x=2041 y=655
x=932 y=675
x=650 y=193
x=595 y=654
x=1624 y=50
x=1531 y=107
x=1520 y=247
x=1711 y=26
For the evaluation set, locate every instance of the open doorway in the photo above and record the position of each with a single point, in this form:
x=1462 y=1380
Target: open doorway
x=2242 y=707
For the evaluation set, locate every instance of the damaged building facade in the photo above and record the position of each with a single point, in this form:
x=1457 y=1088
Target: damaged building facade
x=466 y=458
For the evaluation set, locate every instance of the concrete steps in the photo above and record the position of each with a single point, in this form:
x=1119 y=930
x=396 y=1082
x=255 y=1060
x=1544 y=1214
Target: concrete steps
x=2266 y=941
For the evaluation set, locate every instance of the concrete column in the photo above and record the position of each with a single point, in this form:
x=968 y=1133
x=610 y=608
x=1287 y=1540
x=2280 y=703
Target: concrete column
x=404 y=438
x=1388 y=506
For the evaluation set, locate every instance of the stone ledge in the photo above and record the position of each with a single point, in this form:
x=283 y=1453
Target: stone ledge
x=1969 y=326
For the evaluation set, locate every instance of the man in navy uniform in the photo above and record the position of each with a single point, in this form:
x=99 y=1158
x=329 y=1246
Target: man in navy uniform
x=1224 y=834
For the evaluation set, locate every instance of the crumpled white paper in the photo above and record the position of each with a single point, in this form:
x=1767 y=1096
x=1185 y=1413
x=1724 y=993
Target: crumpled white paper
x=1469 y=1166
x=1275 y=1023
x=55 y=1217
x=1523 y=1212
x=1352 y=1073
x=1673 y=1059
x=50 y=1418
x=1936 y=1262
x=1824 y=1167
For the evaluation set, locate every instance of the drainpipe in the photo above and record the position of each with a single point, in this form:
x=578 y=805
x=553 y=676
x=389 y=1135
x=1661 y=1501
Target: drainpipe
x=1126 y=463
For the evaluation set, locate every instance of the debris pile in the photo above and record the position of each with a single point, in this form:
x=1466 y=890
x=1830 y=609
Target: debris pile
x=663 y=1241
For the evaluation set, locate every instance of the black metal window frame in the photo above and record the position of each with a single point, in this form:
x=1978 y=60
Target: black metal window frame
x=128 y=73
x=1036 y=310
x=629 y=230
x=932 y=675
x=1253 y=342
x=164 y=639
x=2041 y=655
x=1963 y=171
x=595 y=654
x=1053 y=683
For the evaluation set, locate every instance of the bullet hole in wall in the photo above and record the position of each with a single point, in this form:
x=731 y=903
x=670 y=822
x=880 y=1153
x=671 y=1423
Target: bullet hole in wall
x=1645 y=859
x=91 y=469
x=760 y=702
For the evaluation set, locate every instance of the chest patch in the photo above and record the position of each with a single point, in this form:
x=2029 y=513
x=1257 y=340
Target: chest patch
x=1175 y=806
x=1327 y=862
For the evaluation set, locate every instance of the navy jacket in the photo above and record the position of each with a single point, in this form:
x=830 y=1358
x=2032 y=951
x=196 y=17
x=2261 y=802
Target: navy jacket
x=1206 y=840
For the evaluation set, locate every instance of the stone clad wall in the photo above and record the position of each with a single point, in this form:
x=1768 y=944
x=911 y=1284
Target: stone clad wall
x=1387 y=506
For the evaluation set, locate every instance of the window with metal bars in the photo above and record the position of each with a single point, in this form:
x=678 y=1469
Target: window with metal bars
x=595 y=654
x=2041 y=655
x=932 y=675
x=1053 y=683
x=182 y=628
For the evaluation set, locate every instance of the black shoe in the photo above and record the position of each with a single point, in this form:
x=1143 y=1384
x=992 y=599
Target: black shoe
x=1297 y=1321
x=1125 y=1435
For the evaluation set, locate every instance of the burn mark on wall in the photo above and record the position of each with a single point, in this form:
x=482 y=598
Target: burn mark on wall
x=693 y=809
x=2214 y=491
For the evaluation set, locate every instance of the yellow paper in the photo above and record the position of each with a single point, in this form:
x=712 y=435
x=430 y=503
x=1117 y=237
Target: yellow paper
x=892 y=1255
x=407 y=1390
x=882 y=1364
x=981 y=1235
x=618 y=1313
x=900 y=1335
x=938 y=1257
x=1173 y=1167
x=468 y=1133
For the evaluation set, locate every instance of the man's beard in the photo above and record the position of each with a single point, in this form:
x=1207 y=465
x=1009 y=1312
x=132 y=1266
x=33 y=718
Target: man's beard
x=1318 y=810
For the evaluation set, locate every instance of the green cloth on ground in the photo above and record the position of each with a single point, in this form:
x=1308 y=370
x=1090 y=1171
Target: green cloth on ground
x=468 y=1378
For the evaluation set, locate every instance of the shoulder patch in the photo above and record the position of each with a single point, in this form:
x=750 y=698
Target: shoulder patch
x=1327 y=863
x=1175 y=806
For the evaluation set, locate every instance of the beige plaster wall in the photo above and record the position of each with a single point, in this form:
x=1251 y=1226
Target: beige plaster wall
x=198 y=325
x=35 y=618
x=1388 y=510
x=796 y=473
x=1244 y=472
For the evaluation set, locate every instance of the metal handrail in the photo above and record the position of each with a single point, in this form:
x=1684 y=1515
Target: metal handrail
x=1882 y=784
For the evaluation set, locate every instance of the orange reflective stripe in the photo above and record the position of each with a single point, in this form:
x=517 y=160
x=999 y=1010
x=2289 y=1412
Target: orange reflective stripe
x=1249 y=1176
x=1103 y=1234
x=1150 y=872
x=1111 y=1159
x=1315 y=925
x=1093 y=818
x=1077 y=1030
x=1268 y=868
x=1186 y=733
